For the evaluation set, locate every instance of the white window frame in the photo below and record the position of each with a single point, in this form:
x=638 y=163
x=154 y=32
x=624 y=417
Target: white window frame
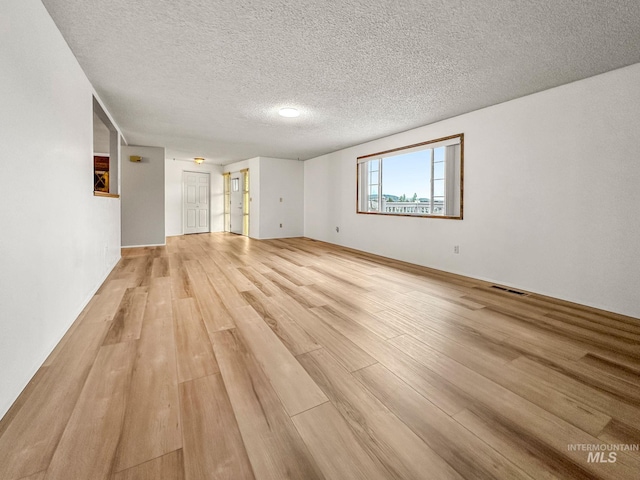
x=453 y=180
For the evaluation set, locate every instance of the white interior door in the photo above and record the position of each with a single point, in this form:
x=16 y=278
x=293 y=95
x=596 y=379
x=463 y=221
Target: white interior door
x=195 y=202
x=235 y=209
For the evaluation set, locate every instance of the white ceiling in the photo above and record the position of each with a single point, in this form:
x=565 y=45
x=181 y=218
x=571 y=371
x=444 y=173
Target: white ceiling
x=207 y=77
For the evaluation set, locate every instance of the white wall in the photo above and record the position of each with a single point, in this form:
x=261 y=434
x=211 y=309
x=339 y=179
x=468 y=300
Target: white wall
x=550 y=202
x=173 y=194
x=58 y=241
x=143 y=197
x=281 y=179
x=101 y=137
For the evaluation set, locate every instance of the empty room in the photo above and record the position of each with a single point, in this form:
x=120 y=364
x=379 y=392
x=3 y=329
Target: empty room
x=319 y=240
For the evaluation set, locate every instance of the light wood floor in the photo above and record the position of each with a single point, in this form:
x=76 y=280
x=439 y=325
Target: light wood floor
x=221 y=357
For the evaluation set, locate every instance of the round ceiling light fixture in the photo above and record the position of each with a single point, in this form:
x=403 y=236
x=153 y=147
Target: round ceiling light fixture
x=289 y=112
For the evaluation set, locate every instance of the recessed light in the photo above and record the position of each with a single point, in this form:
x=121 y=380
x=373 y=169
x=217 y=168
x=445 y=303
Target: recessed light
x=289 y=112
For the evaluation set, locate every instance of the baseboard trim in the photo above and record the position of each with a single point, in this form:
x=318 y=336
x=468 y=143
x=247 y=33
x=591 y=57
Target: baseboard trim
x=149 y=245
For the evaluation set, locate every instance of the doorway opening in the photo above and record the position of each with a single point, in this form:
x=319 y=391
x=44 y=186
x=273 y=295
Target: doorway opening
x=236 y=202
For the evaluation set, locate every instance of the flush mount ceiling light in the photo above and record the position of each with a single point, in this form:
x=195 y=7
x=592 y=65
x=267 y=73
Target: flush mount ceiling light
x=289 y=112
x=198 y=160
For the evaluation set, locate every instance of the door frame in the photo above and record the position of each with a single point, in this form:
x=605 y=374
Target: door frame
x=245 y=186
x=233 y=176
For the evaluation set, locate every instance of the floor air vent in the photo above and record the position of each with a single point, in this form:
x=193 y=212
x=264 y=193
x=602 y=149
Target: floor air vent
x=508 y=290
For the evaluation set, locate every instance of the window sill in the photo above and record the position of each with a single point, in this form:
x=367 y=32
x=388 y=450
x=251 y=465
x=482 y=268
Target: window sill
x=415 y=215
x=105 y=194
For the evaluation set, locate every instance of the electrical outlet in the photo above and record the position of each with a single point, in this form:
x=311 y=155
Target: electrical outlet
x=280 y=225
x=338 y=229
x=456 y=249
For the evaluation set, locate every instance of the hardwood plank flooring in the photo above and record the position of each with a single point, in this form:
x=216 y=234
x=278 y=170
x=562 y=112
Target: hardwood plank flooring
x=152 y=420
x=127 y=322
x=467 y=454
x=30 y=439
x=295 y=388
x=335 y=447
x=219 y=356
x=295 y=338
x=213 y=447
x=379 y=432
x=105 y=307
x=35 y=476
x=94 y=427
x=194 y=352
x=215 y=315
x=563 y=406
x=273 y=445
x=166 y=467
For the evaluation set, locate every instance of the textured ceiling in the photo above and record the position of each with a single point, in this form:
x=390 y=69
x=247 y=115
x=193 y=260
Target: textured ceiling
x=207 y=77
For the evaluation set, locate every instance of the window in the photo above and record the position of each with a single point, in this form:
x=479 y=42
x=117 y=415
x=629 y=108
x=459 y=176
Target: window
x=423 y=180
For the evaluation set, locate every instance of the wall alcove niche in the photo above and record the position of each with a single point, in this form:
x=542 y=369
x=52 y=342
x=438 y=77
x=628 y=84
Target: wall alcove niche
x=106 y=148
